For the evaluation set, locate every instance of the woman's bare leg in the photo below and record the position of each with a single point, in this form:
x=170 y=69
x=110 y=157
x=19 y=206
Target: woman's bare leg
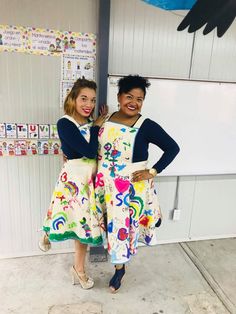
x=80 y=255
x=78 y=270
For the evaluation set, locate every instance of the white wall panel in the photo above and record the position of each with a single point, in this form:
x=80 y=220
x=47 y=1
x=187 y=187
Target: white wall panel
x=172 y=230
x=5 y=209
x=29 y=93
x=144 y=40
x=74 y=15
x=202 y=54
x=30 y=90
x=214 y=58
x=214 y=207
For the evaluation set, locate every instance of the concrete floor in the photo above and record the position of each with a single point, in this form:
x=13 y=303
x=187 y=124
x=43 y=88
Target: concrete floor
x=197 y=277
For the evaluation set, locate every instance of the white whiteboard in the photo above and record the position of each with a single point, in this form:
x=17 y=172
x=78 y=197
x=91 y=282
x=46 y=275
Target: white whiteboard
x=200 y=116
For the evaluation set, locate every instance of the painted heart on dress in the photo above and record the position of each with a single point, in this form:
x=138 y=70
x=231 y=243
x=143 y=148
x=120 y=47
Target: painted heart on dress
x=122 y=185
x=122 y=234
x=144 y=220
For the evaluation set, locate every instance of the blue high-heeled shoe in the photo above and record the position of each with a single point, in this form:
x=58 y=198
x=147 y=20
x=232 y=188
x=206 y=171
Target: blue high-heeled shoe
x=115 y=281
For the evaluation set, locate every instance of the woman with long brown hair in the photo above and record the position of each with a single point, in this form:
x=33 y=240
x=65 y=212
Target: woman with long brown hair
x=72 y=212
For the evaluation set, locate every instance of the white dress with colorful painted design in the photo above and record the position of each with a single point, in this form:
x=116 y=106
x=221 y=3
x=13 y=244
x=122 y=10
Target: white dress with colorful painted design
x=132 y=209
x=72 y=213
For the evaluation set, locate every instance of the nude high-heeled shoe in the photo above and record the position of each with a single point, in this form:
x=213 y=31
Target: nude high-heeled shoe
x=81 y=278
x=44 y=243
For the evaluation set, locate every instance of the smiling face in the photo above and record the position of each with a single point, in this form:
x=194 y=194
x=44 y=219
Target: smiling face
x=131 y=102
x=85 y=102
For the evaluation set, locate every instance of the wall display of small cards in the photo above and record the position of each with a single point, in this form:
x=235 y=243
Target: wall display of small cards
x=73 y=67
x=46 y=42
x=65 y=89
x=21 y=139
x=77 y=66
x=78 y=59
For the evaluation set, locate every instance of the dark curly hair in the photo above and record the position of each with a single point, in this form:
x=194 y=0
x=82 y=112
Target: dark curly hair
x=125 y=84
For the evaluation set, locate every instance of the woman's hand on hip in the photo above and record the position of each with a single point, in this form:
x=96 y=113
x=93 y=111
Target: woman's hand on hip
x=141 y=175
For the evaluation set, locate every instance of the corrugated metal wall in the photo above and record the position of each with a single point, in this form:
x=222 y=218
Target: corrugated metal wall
x=29 y=93
x=214 y=58
x=144 y=40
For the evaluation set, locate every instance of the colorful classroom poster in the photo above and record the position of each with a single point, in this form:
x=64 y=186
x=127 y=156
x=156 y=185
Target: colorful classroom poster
x=11 y=130
x=43 y=147
x=32 y=147
x=18 y=141
x=22 y=130
x=75 y=66
x=3 y=148
x=10 y=148
x=44 y=131
x=33 y=130
x=53 y=42
x=13 y=38
x=54 y=147
x=2 y=130
x=64 y=90
x=21 y=148
x=53 y=131
x=44 y=41
x=79 y=43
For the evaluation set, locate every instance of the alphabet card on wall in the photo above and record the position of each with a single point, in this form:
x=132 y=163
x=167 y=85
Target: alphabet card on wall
x=55 y=147
x=44 y=131
x=3 y=148
x=32 y=147
x=22 y=130
x=10 y=148
x=43 y=147
x=21 y=148
x=53 y=131
x=33 y=130
x=11 y=130
x=2 y=130
x=65 y=90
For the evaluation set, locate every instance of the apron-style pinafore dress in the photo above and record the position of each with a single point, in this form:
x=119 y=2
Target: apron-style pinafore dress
x=132 y=208
x=72 y=213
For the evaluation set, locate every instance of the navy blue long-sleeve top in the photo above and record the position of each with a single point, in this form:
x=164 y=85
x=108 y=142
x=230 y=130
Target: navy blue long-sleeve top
x=152 y=132
x=73 y=143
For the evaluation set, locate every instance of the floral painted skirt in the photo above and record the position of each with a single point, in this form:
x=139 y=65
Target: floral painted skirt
x=72 y=213
x=132 y=210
